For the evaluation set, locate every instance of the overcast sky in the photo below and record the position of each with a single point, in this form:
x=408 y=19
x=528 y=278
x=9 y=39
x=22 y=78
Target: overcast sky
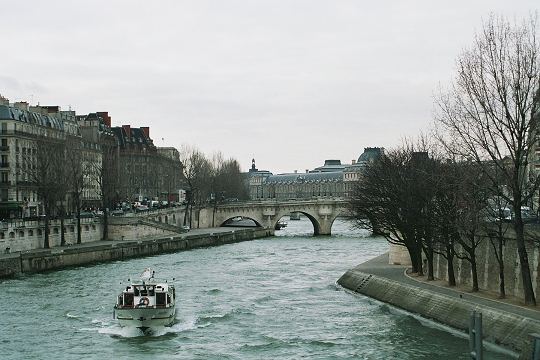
x=289 y=83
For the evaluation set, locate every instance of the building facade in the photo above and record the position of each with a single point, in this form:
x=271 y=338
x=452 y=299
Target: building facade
x=21 y=127
x=332 y=180
x=113 y=164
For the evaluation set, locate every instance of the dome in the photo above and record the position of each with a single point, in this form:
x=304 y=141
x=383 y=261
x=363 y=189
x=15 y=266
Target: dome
x=370 y=154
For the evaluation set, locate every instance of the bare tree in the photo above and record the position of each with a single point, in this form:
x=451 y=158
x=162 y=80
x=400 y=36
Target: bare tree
x=107 y=175
x=385 y=200
x=75 y=177
x=228 y=178
x=487 y=114
x=197 y=174
x=48 y=176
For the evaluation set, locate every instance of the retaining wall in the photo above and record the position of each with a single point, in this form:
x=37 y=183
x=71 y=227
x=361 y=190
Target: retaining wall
x=504 y=328
x=57 y=258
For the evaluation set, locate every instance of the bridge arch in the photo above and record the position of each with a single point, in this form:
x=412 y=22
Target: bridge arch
x=230 y=221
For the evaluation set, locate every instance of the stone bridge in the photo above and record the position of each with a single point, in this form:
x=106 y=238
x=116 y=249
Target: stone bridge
x=267 y=213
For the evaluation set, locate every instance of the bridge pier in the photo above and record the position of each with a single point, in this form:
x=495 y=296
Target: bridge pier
x=325 y=226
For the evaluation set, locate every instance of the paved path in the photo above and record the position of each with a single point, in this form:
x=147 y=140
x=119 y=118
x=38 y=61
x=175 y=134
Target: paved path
x=379 y=266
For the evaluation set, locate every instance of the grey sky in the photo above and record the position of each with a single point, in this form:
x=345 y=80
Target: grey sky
x=291 y=83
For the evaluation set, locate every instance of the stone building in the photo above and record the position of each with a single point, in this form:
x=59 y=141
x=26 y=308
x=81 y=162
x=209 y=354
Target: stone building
x=21 y=125
x=332 y=180
x=146 y=172
x=138 y=168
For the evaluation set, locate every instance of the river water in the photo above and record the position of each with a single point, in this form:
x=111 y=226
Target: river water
x=272 y=298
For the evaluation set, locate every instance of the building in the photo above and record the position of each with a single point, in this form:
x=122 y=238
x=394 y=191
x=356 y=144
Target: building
x=98 y=165
x=21 y=127
x=333 y=179
x=146 y=172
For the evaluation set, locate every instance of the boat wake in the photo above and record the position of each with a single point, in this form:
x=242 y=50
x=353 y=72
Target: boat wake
x=117 y=331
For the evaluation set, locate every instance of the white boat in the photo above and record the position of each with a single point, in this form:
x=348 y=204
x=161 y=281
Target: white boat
x=146 y=303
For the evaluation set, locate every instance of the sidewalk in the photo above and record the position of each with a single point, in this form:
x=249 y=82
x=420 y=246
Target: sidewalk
x=379 y=266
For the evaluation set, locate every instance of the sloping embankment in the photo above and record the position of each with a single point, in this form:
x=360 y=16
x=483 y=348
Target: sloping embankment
x=507 y=329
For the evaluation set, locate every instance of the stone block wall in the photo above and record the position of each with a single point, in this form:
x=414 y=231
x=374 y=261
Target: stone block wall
x=488 y=268
x=29 y=235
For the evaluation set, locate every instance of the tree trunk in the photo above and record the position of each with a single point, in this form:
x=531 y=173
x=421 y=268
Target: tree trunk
x=450 y=262
x=414 y=259
x=502 y=291
x=46 y=243
x=419 y=261
x=79 y=232
x=474 y=272
x=105 y=225
x=62 y=232
x=525 y=270
x=429 y=258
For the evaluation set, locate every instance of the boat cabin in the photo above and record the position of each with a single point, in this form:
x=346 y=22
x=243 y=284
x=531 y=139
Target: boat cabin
x=146 y=295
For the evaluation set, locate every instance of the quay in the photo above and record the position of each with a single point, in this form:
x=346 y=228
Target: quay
x=59 y=257
x=505 y=324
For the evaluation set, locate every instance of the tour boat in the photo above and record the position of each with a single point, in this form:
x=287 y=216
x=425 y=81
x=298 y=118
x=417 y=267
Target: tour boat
x=146 y=303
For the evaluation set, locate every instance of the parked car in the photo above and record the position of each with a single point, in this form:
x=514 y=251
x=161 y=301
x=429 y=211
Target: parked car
x=142 y=208
x=527 y=215
x=117 y=213
x=185 y=227
x=86 y=215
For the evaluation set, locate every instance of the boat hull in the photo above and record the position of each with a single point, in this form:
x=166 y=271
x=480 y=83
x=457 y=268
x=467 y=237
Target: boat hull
x=145 y=317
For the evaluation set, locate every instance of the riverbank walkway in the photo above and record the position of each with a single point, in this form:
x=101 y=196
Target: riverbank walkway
x=379 y=266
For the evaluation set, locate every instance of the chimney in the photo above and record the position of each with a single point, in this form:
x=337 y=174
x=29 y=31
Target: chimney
x=127 y=128
x=23 y=105
x=146 y=131
x=354 y=162
x=106 y=117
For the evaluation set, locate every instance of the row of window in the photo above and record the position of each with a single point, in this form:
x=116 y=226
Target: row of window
x=39 y=232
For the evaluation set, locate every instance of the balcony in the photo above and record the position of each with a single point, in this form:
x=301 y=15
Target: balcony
x=4 y=148
x=4 y=165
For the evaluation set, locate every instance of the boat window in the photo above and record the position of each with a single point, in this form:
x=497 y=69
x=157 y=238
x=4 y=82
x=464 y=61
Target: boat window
x=128 y=299
x=160 y=299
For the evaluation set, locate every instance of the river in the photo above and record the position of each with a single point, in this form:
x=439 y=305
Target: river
x=271 y=298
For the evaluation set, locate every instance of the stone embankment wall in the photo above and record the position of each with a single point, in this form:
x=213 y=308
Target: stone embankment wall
x=24 y=235
x=504 y=328
x=488 y=267
x=57 y=258
x=20 y=235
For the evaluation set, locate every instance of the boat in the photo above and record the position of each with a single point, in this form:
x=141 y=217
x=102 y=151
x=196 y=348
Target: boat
x=146 y=303
x=280 y=225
